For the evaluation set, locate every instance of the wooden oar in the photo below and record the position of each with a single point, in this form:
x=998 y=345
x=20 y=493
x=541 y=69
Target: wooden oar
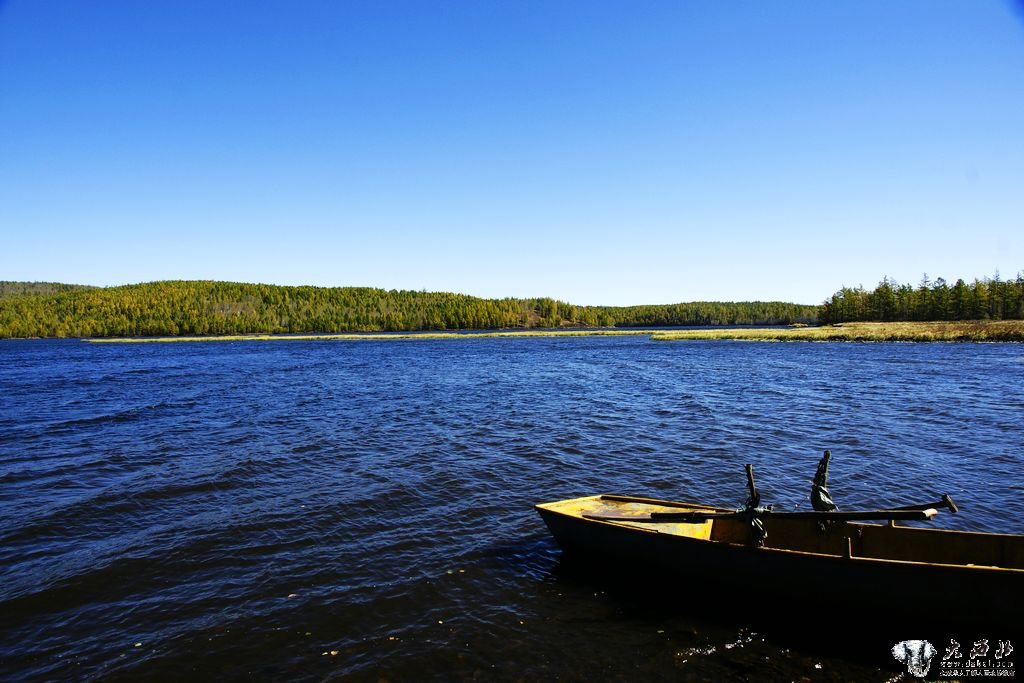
x=710 y=511
x=927 y=513
x=662 y=503
x=698 y=516
x=946 y=502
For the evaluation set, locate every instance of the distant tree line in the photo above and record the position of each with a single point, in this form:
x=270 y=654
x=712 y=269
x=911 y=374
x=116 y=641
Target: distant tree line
x=701 y=313
x=8 y=288
x=220 y=308
x=984 y=299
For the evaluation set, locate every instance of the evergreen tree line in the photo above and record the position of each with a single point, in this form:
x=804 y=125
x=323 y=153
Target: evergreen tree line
x=219 y=308
x=984 y=299
x=8 y=288
x=701 y=313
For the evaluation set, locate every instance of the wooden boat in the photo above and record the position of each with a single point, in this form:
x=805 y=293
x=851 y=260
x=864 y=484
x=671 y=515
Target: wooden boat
x=901 y=570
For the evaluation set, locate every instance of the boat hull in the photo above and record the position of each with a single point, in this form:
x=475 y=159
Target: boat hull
x=688 y=558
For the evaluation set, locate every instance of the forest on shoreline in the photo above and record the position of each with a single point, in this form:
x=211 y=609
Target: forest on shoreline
x=173 y=308
x=211 y=308
x=982 y=299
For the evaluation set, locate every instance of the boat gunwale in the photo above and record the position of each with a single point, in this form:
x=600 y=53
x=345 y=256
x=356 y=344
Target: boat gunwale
x=631 y=526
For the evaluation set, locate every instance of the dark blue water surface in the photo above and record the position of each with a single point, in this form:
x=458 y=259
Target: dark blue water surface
x=292 y=510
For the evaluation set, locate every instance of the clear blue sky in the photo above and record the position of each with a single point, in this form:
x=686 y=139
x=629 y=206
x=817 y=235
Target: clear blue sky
x=596 y=152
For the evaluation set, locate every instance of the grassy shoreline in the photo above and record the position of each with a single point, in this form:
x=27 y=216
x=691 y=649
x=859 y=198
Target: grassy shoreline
x=971 y=331
x=959 y=331
x=373 y=336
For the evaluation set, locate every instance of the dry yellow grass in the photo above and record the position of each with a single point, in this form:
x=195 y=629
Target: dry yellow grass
x=1002 y=331
x=373 y=336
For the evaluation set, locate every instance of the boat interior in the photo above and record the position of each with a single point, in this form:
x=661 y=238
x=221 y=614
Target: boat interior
x=880 y=541
x=845 y=539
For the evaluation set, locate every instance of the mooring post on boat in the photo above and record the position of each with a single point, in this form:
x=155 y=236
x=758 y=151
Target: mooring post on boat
x=758 y=533
x=755 y=497
x=821 y=499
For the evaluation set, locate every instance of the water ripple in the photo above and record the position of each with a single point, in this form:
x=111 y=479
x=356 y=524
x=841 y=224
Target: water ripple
x=238 y=510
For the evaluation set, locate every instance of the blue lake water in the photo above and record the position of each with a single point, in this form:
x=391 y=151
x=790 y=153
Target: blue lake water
x=362 y=510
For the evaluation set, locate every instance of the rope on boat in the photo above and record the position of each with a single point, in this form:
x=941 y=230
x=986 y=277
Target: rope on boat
x=821 y=501
x=758 y=535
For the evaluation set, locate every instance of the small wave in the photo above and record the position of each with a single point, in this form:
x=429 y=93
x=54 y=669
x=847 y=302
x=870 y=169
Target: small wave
x=121 y=416
x=254 y=511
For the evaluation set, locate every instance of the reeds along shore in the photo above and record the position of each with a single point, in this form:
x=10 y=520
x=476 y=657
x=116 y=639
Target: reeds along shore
x=380 y=336
x=965 y=331
x=998 y=331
